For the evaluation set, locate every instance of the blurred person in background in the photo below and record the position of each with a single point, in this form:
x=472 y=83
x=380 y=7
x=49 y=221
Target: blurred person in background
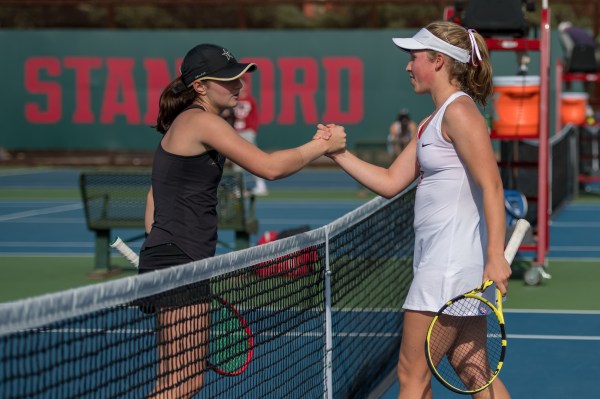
x=402 y=130
x=246 y=123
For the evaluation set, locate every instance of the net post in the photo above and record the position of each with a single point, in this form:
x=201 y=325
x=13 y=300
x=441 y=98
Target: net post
x=328 y=358
x=543 y=159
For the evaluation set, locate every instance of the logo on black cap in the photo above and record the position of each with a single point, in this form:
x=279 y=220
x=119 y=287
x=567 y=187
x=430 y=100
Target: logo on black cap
x=208 y=61
x=227 y=54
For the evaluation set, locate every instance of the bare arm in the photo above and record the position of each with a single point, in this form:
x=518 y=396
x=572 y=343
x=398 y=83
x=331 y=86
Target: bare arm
x=216 y=133
x=466 y=128
x=149 y=213
x=385 y=182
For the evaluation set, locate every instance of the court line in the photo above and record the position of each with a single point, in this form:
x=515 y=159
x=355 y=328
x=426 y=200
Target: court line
x=589 y=259
x=47 y=244
x=21 y=172
x=555 y=337
x=5 y=203
x=580 y=206
x=554 y=311
x=47 y=254
x=579 y=225
x=318 y=334
x=73 y=220
x=575 y=248
x=142 y=331
x=46 y=211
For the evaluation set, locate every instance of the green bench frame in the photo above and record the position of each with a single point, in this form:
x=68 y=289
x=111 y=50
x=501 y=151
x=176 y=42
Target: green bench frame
x=117 y=199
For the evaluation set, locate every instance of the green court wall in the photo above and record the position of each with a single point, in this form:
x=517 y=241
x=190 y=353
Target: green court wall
x=88 y=89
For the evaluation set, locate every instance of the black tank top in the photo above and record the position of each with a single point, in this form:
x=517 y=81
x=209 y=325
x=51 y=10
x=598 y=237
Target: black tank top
x=185 y=202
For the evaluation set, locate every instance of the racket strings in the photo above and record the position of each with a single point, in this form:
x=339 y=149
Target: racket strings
x=230 y=345
x=466 y=344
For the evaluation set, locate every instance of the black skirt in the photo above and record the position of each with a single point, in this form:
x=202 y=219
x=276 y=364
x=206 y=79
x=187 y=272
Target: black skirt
x=162 y=257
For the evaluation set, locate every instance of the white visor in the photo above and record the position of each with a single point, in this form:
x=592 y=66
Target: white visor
x=425 y=40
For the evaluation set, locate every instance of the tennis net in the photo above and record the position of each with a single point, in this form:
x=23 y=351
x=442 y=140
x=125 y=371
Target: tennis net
x=519 y=169
x=322 y=309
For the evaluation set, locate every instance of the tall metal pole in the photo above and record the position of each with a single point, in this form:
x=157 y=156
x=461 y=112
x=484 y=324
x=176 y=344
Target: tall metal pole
x=543 y=208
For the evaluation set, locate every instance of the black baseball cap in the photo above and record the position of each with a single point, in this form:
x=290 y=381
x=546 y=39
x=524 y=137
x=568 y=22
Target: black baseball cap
x=209 y=61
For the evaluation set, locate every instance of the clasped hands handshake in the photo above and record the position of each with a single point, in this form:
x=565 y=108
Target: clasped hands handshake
x=335 y=135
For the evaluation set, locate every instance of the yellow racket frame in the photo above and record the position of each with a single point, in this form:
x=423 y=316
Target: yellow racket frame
x=497 y=309
x=510 y=251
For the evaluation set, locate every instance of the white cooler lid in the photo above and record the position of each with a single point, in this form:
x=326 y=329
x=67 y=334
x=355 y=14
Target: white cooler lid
x=527 y=80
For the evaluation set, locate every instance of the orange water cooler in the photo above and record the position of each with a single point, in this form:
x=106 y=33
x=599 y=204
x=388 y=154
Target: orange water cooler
x=516 y=106
x=572 y=108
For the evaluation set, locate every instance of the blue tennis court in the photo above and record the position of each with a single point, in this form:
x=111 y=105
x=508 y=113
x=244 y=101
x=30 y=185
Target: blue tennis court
x=551 y=354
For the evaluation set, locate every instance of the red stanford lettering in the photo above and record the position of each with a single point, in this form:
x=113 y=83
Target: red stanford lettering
x=106 y=89
x=83 y=66
x=36 y=69
x=120 y=95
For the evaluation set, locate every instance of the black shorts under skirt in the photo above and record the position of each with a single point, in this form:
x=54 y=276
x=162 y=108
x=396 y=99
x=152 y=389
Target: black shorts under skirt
x=161 y=257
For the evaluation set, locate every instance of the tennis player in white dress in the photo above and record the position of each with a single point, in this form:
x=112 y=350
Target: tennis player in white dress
x=450 y=230
x=459 y=209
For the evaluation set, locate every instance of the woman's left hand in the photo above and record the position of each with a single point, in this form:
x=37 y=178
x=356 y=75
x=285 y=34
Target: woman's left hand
x=498 y=270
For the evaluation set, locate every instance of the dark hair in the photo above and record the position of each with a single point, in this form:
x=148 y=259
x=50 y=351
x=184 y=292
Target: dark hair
x=403 y=115
x=173 y=100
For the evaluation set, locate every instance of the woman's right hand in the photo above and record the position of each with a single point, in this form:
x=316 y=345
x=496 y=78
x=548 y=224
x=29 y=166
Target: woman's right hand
x=323 y=133
x=334 y=135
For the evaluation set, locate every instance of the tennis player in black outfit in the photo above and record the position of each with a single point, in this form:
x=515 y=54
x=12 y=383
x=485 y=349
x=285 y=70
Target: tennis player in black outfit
x=181 y=216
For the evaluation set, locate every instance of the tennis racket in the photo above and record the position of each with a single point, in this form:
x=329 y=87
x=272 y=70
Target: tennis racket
x=231 y=343
x=466 y=340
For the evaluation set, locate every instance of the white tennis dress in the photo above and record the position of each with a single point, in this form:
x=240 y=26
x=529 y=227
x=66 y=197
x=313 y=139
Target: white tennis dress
x=450 y=231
